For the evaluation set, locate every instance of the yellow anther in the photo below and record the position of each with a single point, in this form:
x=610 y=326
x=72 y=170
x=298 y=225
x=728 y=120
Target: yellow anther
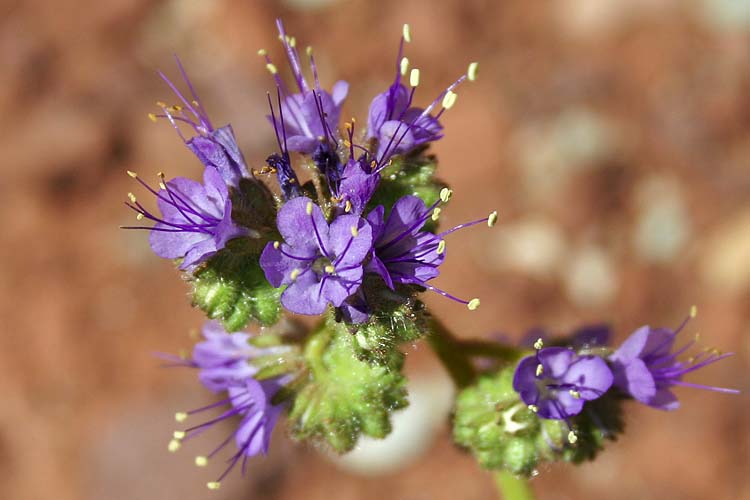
x=173 y=446
x=572 y=437
x=355 y=231
x=178 y=435
x=213 y=485
x=162 y=186
x=272 y=68
x=407 y=33
x=295 y=272
x=262 y=52
x=354 y=120
x=309 y=50
x=329 y=269
x=538 y=344
x=404 y=65
x=471 y=73
x=533 y=408
x=276 y=244
x=539 y=369
x=473 y=304
x=201 y=461
x=449 y=99
x=348 y=206
x=574 y=393
x=177 y=108
x=161 y=104
x=436 y=213
x=347 y=144
x=131 y=197
x=445 y=195
x=132 y=174
x=292 y=41
x=180 y=416
x=160 y=175
x=373 y=164
x=348 y=126
x=693 y=311
x=309 y=208
x=152 y=117
x=492 y=219
x=139 y=216
x=441 y=247
x=414 y=77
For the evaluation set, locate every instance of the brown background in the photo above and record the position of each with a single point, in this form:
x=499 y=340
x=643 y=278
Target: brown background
x=613 y=136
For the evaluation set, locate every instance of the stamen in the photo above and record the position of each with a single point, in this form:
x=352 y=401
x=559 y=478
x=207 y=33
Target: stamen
x=132 y=174
x=533 y=408
x=693 y=311
x=295 y=273
x=450 y=99
x=178 y=435
x=329 y=269
x=201 y=461
x=131 y=197
x=574 y=393
x=180 y=416
x=404 y=65
x=473 y=304
x=213 y=485
x=271 y=67
x=436 y=213
x=262 y=52
x=539 y=369
x=407 y=33
x=276 y=244
x=446 y=194
x=309 y=208
x=173 y=446
x=348 y=206
x=471 y=73
x=572 y=437
x=538 y=344
x=152 y=117
x=355 y=231
x=414 y=77
x=492 y=219
x=441 y=247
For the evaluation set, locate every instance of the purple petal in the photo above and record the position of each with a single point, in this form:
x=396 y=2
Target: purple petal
x=556 y=361
x=592 y=376
x=304 y=295
x=297 y=226
x=664 y=399
x=635 y=379
x=278 y=267
x=349 y=250
x=173 y=245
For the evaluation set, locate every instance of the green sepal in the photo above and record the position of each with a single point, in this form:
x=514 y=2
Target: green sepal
x=503 y=434
x=345 y=397
x=232 y=288
x=411 y=174
x=254 y=206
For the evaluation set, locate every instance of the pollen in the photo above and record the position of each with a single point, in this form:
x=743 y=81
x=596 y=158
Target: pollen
x=450 y=99
x=132 y=174
x=276 y=244
x=693 y=311
x=329 y=269
x=492 y=219
x=441 y=247
x=262 y=52
x=407 y=33
x=473 y=304
x=355 y=231
x=152 y=117
x=572 y=437
x=295 y=272
x=213 y=485
x=533 y=408
x=173 y=446
x=404 y=66
x=272 y=68
x=178 y=435
x=414 y=77
x=575 y=394
x=131 y=197
x=201 y=461
x=139 y=216
x=445 y=195
x=309 y=208
x=539 y=369
x=538 y=344
x=436 y=213
x=180 y=416
x=471 y=73
x=348 y=206
x=309 y=50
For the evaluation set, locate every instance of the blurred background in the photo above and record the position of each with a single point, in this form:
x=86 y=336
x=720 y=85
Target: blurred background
x=613 y=137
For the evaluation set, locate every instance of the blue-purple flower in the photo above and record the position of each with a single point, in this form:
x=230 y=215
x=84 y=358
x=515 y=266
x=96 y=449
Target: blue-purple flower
x=647 y=365
x=556 y=382
x=196 y=219
x=320 y=264
x=403 y=252
x=215 y=148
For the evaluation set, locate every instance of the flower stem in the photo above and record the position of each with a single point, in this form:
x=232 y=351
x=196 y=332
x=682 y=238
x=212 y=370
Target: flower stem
x=446 y=347
x=512 y=487
x=488 y=349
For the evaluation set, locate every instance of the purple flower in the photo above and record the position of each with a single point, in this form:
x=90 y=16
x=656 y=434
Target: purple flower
x=356 y=187
x=403 y=252
x=321 y=264
x=224 y=358
x=215 y=148
x=395 y=123
x=312 y=114
x=556 y=381
x=196 y=219
x=646 y=366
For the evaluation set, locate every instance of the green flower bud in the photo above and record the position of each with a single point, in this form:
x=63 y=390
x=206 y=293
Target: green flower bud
x=232 y=288
x=344 y=396
x=504 y=434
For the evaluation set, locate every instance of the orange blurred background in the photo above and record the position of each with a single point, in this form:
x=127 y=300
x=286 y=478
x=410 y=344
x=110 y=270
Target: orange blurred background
x=613 y=137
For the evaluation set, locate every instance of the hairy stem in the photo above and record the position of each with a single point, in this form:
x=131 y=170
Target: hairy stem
x=512 y=487
x=446 y=347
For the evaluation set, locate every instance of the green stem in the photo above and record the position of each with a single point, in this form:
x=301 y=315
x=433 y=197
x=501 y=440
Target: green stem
x=447 y=349
x=488 y=349
x=512 y=487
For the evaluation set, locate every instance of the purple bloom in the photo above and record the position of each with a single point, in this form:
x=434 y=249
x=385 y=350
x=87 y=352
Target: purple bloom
x=356 y=187
x=321 y=264
x=646 y=366
x=395 y=123
x=215 y=148
x=312 y=114
x=556 y=382
x=403 y=252
x=196 y=220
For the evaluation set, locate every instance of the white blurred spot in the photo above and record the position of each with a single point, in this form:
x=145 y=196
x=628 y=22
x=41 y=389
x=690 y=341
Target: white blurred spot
x=663 y=225
x=535 y=246
x=590 y=277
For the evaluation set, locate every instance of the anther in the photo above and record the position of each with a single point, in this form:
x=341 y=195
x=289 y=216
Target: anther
x=473 y=304
x=309 y=208
x=445 y=195
x=173 y=446
x=201 y=461
x=139 y=216
x=538 y=344
x=213 y=485
x=414 y=77
x=309 y=50
x=436 y=213
x=492 y=219
x=407 y=33
x=450 y=99
x=572 y=437
x=441 y=247
x=355 y=231
x=404 y=65
x=272 y=68
x=131 y=197
x=574 y=393
x=471 y=73
x=533 y=408
x=276 y=244
x=161 y=104
x=262 y=52
x=160 y=175
x=132 y=174
x=180 y=416
x=539 y=369
x=178 y=435
x=329 y=269
x=348 y=206
x=295 y=272
x=152 y=117
x=693 y=311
